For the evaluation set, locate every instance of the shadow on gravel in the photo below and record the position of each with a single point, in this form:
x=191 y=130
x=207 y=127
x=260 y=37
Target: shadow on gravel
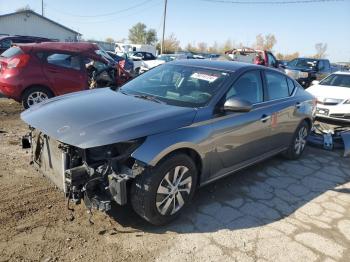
x=255 y=196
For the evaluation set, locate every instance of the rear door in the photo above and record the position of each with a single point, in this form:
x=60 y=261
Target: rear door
x=65 y=72
x=280 y=99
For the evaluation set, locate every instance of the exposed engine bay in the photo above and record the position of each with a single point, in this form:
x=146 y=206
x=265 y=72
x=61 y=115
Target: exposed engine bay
x=95 y=175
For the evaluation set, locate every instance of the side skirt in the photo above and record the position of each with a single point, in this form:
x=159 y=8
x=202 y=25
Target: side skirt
x=245 y=164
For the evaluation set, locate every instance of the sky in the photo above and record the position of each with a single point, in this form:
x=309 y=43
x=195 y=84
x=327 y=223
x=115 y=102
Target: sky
x=297 y=27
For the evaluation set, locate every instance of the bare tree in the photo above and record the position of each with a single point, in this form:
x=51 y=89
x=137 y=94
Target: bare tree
x=191 y=48
x=266 y=42
x=287 y=57
x=321 y=49
x=171 y=44
x=202 y=47
x=24 y=8
x=109 y=40
x=228 y=45
x=214 y=48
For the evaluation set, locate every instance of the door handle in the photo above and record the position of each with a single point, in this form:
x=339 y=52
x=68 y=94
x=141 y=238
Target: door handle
x=298 y=105
x=264 y=118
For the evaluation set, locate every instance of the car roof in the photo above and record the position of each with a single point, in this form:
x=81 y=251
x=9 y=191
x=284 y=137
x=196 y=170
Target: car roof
x=341 y=73
x=62 y=46
x=231 y=66
x=22 y=37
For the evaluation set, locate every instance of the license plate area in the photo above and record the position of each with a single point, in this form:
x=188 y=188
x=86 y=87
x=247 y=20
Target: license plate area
x=322 y=111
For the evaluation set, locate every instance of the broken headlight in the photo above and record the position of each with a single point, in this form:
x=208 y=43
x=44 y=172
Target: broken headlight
x=118 y=151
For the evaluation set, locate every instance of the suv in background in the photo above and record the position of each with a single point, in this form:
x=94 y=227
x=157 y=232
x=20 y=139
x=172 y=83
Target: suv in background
x=306 y=70
x=32 y=73
x=7 y=41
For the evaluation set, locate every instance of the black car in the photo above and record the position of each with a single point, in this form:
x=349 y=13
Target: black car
x=143 y=55
x=306 y=70
x=7 y=41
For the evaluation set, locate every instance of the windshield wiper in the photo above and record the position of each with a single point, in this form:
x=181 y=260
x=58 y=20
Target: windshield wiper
x=148 y=97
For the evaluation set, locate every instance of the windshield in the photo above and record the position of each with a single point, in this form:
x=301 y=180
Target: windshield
x=336 y=80
x=178 y=85
x=303 y=63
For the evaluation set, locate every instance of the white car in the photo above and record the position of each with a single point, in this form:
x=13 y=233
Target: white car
x=333 y=96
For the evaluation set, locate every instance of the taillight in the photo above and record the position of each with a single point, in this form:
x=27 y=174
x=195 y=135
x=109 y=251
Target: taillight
x=18 y=61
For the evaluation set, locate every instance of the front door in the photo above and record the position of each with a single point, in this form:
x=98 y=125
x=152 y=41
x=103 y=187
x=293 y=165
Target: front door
x=241 y=137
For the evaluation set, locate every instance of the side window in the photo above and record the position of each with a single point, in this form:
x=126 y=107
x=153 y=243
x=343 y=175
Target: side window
x=327 y=65
x=276 y=85
x=271 y=60
x=290 y=86
x=148 y=56
x=321 y=65
x=247 y=87
x=64 y=60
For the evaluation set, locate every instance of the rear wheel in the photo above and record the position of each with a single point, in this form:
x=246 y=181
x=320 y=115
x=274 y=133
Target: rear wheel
x=35 y=95
x=160 y=193
x=297 y=146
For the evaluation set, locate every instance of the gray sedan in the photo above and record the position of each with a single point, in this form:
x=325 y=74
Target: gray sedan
x=167 y=132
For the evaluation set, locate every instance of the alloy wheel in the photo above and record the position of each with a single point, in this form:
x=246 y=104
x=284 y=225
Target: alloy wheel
x=36 y=98
x=173 y=191
x=300 y=140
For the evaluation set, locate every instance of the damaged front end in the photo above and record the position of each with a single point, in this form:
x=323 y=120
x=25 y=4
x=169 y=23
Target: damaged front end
x=96 y=175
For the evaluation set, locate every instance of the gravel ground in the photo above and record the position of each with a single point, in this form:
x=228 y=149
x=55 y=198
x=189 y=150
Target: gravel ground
x=276 y=211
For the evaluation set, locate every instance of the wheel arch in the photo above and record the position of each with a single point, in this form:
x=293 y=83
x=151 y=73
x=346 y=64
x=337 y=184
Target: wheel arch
x=308 y=121
x=36 y=85
x=182 y=148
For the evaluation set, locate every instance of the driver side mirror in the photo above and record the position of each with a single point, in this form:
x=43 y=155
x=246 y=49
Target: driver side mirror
x=234 y=104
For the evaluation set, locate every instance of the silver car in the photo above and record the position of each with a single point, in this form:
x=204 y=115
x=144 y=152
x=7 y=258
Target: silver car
x=169 y=131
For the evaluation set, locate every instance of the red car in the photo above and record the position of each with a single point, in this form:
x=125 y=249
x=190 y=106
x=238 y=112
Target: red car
x=31 y=73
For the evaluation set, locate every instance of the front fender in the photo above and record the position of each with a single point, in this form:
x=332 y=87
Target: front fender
x=157 y=146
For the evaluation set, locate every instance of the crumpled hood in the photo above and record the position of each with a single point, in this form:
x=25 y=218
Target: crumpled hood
x=102 y=116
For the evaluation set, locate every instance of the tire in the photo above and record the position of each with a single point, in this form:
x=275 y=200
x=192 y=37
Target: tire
x=151 y=196
x=29 y=96
x=298 y=143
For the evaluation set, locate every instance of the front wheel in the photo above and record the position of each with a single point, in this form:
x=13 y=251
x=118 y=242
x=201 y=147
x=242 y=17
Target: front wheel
x=160 y=193
x=297 y=146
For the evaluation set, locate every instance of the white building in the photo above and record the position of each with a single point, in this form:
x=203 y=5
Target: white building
x=29 y=23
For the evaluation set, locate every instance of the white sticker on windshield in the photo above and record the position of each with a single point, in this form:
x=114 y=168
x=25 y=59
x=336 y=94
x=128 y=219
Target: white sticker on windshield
x=205 y=77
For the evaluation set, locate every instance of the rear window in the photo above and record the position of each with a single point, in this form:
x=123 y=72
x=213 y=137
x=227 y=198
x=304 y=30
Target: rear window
x=11 y=52
x=276 y=85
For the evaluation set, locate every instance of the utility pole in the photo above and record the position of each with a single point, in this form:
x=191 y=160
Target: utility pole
x=164 y=17
x=42 y=7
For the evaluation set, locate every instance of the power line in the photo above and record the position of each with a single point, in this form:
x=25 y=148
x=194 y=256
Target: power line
x=119 y=18
x=272 y=2
x=106 y=14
